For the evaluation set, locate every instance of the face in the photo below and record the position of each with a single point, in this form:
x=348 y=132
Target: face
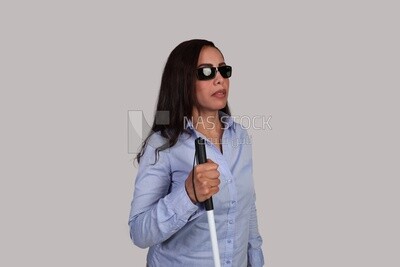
x=212 y=95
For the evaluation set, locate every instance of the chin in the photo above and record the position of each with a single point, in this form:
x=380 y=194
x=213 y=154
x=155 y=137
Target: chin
x=218 y=107
x=214 y=105
x=220 y=104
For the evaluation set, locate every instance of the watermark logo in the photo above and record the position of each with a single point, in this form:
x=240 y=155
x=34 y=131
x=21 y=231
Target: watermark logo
x=139 y=128
x=258 y=122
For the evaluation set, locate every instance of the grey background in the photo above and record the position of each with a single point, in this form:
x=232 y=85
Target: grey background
x=326 y=175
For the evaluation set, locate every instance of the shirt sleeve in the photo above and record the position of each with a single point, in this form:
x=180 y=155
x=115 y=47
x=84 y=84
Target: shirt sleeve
x=254 y=252
x=156 y=213
x=255 y=257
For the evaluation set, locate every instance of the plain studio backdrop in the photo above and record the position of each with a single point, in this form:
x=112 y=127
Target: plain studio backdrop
x=326 y=73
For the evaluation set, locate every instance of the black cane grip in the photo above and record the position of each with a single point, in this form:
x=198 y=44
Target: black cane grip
x=202 y=158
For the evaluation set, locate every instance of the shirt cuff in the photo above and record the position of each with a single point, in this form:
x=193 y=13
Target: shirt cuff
x=255 y=258
x=180 y=203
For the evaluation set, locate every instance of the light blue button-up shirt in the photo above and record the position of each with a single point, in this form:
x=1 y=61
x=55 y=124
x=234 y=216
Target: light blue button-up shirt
x=176 y=231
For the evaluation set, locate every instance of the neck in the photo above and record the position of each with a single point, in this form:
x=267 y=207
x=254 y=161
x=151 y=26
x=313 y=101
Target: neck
x=206 y=122
x=209 y=124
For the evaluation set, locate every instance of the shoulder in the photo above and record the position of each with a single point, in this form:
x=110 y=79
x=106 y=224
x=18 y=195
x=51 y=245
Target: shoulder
x=242 y=137
x=157 y=144
x=156 y=141
x=153 y=151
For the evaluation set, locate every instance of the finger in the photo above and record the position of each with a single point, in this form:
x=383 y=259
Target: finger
x=211 y=175
x=207 y=192
x=208 y=166
x=214 y=183
x=206 y=177
x=212 y=191
x=207 y=184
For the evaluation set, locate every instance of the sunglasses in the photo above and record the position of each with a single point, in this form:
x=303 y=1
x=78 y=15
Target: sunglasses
x=208 y=73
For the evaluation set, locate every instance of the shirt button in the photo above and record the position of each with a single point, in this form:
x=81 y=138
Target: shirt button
x=231 y=221
x=230 y=181
x=229 y=241
x=228 y=262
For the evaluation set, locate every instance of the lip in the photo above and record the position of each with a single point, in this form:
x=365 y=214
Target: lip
x=220 y=93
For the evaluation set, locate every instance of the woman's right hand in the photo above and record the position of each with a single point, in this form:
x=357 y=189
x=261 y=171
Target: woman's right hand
x=206 y=181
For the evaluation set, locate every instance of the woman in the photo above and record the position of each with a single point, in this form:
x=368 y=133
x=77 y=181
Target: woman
x=167 y=213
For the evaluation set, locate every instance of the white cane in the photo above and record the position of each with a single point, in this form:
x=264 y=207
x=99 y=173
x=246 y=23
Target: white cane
x=202 y=158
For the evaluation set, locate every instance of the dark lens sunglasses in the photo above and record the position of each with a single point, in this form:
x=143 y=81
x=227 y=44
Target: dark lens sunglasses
x=208 y=73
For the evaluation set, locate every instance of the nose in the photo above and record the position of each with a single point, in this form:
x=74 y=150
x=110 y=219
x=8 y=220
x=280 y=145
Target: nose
x=218 y=79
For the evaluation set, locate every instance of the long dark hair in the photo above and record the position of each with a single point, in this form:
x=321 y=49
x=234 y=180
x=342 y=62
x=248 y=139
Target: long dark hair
x=177 y=92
